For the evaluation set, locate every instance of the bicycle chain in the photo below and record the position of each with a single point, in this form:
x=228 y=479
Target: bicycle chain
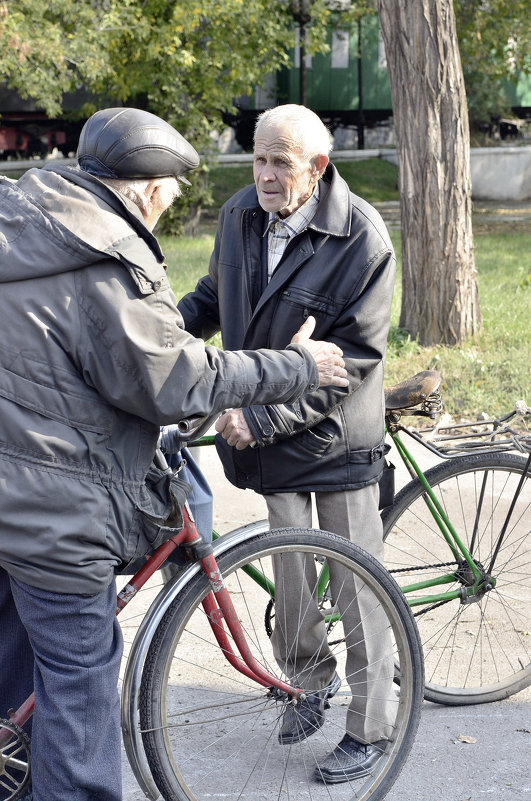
x=421 y=567
x=425 y=567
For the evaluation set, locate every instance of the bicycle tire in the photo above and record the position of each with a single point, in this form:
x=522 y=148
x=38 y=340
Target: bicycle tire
x=209 y=730
x=477 y=652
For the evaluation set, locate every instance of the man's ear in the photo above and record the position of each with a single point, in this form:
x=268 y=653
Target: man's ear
x=320 y=164
x=151 y=190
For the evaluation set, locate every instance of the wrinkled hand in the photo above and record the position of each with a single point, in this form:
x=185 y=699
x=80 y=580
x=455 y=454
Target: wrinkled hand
x=233 y=427
x=327 y=356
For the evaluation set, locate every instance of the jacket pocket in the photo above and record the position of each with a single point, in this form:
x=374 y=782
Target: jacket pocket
x=314 y=302
x=83 y=410
x=387 y=486
x=315 y=441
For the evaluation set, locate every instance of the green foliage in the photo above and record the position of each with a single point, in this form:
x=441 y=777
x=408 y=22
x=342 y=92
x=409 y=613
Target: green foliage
x=495 y=45
x=47 y=49
x=190 y=60
x=186 y=61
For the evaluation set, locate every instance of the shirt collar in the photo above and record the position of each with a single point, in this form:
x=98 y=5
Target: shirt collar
x=298 y=220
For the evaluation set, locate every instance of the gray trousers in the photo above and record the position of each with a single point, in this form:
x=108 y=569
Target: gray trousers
x=299 y=638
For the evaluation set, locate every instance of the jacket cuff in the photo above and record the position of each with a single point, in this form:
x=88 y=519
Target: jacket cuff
x=312 y=366
x=260 y=424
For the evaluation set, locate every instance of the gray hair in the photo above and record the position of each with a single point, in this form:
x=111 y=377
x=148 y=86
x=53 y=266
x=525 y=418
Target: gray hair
x=306 y=127
x=134 y=189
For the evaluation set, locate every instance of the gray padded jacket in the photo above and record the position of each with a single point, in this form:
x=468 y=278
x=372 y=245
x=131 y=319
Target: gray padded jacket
x=93 y=360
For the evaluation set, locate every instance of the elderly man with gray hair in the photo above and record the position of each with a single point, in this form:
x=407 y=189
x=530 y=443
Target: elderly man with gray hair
x=298 y=243
x=94 y=359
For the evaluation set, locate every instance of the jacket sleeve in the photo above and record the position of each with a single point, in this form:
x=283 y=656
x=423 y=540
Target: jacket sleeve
x=361 y=330
x=200 y=308
x=135 y=352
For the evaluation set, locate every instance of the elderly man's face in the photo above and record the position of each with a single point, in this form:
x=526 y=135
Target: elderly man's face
x=284 y=178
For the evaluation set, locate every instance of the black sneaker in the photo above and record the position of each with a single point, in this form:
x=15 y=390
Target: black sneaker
x=306 y=717
x=350 y=760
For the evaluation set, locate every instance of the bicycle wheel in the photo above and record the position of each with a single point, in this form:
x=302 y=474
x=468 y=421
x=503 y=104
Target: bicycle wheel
x=209 y=731
x=475 y=651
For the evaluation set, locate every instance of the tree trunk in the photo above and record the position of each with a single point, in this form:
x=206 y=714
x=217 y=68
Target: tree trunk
x=440 y=302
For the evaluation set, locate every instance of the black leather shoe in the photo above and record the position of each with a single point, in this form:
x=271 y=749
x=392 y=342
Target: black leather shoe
x=303 y=719
x=350 y=760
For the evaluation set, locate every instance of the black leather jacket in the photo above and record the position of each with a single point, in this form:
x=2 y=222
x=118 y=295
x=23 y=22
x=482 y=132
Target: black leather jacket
x=341 y=270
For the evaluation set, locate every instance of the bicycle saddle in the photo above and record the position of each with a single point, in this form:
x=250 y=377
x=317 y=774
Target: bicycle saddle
x=412 y=391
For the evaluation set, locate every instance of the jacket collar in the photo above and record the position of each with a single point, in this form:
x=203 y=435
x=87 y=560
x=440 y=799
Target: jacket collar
x=124 y=208
x=333 y=213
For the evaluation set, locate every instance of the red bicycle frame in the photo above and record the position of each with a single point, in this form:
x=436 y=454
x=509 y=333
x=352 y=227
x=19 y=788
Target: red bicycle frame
x=218 y=607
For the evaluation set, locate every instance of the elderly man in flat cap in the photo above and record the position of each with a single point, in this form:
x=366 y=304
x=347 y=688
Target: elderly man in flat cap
x=93 y=360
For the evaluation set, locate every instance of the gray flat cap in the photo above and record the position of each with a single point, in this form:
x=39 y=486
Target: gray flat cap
x=131 y=143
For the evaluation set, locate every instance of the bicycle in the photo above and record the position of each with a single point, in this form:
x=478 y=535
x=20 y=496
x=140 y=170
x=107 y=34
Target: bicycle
x=202 y=695
x=461 y=528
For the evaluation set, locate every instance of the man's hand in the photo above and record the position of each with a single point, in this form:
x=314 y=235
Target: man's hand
x=233 y=427
x=326 y=355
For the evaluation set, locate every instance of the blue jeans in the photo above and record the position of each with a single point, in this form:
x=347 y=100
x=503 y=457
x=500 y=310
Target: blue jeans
x=77 y=647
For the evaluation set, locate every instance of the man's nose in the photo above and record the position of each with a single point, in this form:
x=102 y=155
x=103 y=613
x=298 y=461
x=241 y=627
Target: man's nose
x=268 y=173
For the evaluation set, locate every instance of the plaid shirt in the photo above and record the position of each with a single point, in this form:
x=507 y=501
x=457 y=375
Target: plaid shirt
x=280 y=230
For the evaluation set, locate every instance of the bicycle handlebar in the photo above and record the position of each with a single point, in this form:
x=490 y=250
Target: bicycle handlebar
x=194 y=426
x=190 y=424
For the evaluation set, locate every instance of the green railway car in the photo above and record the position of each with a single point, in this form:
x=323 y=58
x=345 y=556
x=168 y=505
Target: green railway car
x=349 y=88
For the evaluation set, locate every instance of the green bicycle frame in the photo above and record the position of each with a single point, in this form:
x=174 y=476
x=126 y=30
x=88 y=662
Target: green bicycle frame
x=456 y=545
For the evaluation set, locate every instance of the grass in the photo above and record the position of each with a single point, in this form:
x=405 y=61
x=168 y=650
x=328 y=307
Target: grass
x=489 y=375
x=374 y=179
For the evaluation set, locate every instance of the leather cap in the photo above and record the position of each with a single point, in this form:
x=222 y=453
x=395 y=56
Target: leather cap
x=131 y=143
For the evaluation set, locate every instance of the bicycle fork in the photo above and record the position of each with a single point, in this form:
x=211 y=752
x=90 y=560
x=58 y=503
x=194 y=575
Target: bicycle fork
x=218 y=607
